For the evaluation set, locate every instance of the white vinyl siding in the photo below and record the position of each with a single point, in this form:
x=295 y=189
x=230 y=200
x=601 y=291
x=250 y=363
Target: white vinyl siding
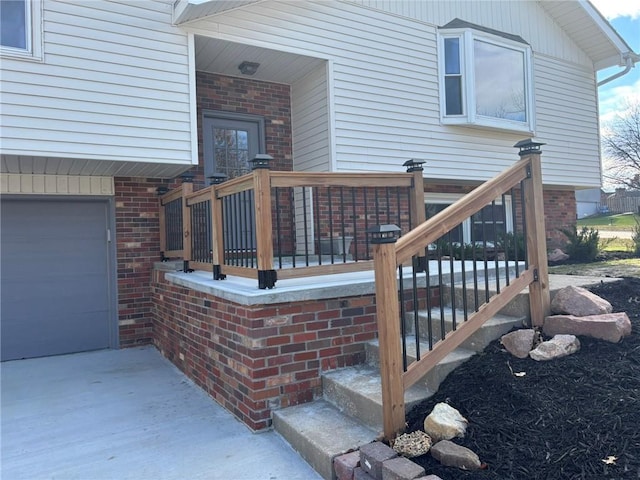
x=114 y=85
x=385 y=98
x=310 y=125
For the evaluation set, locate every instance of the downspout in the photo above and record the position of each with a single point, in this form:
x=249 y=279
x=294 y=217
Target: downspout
x=630 y=63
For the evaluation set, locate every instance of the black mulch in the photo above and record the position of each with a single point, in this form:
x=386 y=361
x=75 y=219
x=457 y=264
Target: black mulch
x=560 y=420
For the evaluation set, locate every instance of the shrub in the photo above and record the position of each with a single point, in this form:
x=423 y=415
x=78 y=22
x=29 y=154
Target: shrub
x=508 y=241
x=582 y=245
x=635 y=238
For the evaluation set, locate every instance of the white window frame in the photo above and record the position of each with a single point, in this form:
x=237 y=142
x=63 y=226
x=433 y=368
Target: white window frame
x=451 y=198
x=469 y=116
x=34 y=26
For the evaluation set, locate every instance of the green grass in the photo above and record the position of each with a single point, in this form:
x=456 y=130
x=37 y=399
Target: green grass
x=616 y=245
x=622 y=221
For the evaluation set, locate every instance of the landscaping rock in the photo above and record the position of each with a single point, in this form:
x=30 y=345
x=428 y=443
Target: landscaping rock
x=412 y=444
x=429 y=477
x=452 y=455
x=444 y=423
x=401 y=468
x=373 y=455
x=557 y=255
x=519 y=343
x=360 y=474
x=580 y=302
x=344 y=465
x=558 y=346
x=610 y=326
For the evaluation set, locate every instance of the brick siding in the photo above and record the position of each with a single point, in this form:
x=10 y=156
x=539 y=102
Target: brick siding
x=138 y=247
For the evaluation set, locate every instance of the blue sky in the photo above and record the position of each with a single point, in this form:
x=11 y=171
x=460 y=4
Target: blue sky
x=624 y=16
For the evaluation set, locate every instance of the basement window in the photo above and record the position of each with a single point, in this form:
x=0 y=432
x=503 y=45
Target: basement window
x=485 y=78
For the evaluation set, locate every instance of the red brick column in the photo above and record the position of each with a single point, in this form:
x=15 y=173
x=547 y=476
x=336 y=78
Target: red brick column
x=138 y=247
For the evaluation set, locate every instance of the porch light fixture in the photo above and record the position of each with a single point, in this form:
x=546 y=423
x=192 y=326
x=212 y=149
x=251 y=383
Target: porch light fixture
x=528 y=147
x=161 y=190
x=383 y=234
x=187 y=177
x=248 y=68
x=414 y=165
x=261 y=160
x=217 y=178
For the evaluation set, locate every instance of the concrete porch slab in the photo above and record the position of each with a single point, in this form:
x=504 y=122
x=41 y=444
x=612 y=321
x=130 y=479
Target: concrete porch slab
x=127 y=414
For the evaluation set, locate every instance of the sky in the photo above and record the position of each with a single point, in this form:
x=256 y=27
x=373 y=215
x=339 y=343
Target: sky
x=624 y=16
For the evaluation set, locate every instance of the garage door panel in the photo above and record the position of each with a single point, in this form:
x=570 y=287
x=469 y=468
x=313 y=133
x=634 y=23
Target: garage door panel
x=55 y=275
x=76 y=333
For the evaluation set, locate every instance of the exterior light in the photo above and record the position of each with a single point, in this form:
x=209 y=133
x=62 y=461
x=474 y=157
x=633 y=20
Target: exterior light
x=187 y=177
x=217 y=178
x=248 y=68
x=161 y=190
x=260 y=161
x=413 y=165
x=383 y=234
x=528 y=147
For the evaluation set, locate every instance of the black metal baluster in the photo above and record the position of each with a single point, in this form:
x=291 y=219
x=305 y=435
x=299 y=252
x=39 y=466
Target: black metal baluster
x=452 y=280
x=278 y=228
x=524 y=226
x=316 y=209
x=355 y=224
x=515 y=232
x=495 y=245
x=403 y=314
x=506 y=240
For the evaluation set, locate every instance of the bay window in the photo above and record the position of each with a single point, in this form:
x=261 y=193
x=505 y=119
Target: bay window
x=485 y=78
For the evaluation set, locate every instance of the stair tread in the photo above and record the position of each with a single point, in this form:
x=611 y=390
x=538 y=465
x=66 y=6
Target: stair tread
x=320 y=432
x=495 y=320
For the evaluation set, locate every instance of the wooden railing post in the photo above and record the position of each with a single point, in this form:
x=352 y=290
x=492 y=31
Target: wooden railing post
x=217 y=232
x=383 y=238
x=187 y=188
x=539 y=297
x=264 y=227
x=418 y=213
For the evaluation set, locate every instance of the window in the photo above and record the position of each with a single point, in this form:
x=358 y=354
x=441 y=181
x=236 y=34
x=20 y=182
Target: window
x=487 y=225
x=485 y=78
x=21 y=28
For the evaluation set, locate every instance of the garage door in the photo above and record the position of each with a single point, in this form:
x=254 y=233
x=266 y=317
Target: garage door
x=54 y=277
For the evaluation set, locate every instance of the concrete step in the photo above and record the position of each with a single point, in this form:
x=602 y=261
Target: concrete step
x=319 y=432
x=436 y=376
x=518 y=307
x=493 y=328
x=357 y=391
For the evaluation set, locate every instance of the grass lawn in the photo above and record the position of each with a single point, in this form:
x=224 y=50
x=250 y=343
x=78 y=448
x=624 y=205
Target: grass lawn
x=616 y=244
x=622 y=221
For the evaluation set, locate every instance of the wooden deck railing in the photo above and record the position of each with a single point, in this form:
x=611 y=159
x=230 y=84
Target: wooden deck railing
x=391 y=256
x=276 y=225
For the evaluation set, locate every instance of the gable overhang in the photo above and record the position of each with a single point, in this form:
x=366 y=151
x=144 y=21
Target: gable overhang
x=185 y=11
x=591 y=32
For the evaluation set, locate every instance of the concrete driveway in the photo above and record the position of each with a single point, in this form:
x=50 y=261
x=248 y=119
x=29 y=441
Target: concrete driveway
x=127 y=414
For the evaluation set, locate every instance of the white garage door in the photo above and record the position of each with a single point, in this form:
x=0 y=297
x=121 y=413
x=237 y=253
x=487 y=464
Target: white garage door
x=55 y=277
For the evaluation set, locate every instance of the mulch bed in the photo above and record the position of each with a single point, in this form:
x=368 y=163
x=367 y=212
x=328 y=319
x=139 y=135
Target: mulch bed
x=561 y=419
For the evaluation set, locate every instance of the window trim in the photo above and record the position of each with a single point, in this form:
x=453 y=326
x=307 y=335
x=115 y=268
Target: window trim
x=34 y=27
x=469 y=117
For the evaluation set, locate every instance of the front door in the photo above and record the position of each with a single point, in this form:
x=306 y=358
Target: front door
x=230 y=142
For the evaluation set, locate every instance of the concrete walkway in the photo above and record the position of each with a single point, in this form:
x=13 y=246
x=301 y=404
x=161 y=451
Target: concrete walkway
x=127 y=414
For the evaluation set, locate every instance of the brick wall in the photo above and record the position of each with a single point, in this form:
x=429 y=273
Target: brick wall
x=560 y=212
x=138 y=247
x=253 y=359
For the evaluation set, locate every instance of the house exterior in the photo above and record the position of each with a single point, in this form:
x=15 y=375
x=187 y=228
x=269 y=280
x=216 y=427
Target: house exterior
x=104 y=102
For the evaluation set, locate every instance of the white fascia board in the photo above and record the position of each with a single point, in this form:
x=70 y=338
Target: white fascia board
x=611 y=33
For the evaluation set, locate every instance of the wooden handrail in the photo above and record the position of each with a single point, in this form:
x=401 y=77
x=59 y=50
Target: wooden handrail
x=322 y=179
